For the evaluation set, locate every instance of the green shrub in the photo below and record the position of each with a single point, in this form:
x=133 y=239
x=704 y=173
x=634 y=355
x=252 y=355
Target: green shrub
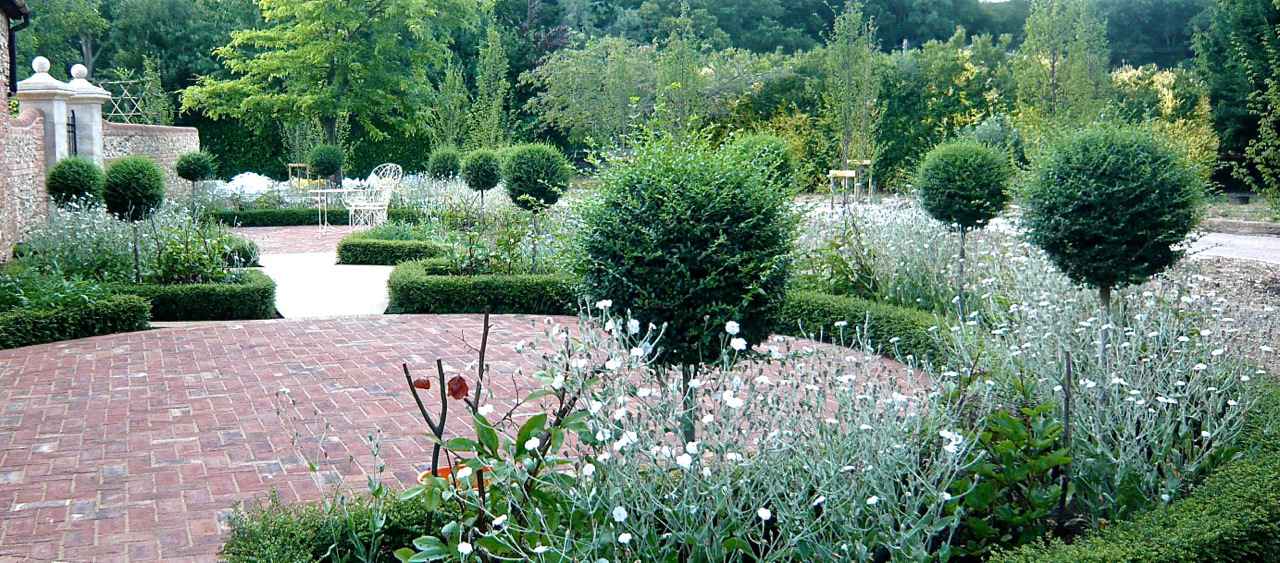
x=414 y=289
x=270 y=530
x=359 y=248
x=1233 y=516
x=893 y=330
x=27 y=326
x=294 y=216
x=482 y=170
x=134 y=188
x=1111 y=206
x=685 y=235
x=963 y=184
x=197 y=166
x=251 y=295
x=769 y=153
x=444 y=164
x=536 y=176
x=326 y=161
x=240 y=252
x=75 y=179
x=998 y=132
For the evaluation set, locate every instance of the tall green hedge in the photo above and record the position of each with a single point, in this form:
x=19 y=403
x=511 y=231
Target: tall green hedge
x=253 y=296
x=893 y=330
x=117 y=313
x=414 y=289
x=1233 y=516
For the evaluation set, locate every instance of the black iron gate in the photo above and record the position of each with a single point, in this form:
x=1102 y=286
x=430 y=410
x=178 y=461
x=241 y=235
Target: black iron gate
x=73 y=147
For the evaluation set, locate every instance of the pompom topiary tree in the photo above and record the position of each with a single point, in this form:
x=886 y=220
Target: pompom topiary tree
x=1111 y=206
x=196 y=167
x=964 y=185
x=75 y=179
x=536 y=175
x=482 y=171
x=326 y=161
x=769 y=153
x=133 y=191
x=444 y=164
x=685 y=235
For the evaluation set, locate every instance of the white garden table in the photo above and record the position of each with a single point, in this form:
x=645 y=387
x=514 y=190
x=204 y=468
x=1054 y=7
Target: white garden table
x=322 y=200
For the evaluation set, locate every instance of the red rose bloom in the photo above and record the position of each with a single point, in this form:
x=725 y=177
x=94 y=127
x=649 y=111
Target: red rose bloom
x=458 y=387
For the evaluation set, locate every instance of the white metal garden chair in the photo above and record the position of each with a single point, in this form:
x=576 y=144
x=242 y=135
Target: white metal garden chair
x=368 y=207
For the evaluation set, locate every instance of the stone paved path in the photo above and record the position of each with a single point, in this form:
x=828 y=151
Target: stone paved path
x=1244 y=247
x=309 y=282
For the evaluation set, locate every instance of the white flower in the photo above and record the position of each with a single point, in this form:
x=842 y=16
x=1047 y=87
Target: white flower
x=613 y=364
x=633 y=326
x=540 y=549
x=619 y=514
x=532 y=444
x=558 y=382
x=708 y=419
x=624 y=538
x=1204 y=433
x=818 y=501
x=499 y=521
x=764 y=514
x=464 y=473
x=738 y=344
x=637 y=353
x=604 y=304
x=588 y=470
x=1232 y=403
x=865 y=426
x=684 y=461
x=732 y=328
x=485 y=410
x=464 y=548
x=1199 y=367
x=841 y=324
x=946 y=496
x=578 y=363
x=872 y=500
x=731 y=401
x=691 y=448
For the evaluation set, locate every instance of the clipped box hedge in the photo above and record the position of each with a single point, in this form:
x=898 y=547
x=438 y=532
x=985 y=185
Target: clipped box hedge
x=292 y=216
x=813 y=314
x=417 y=289
x=116 y=313
x=361 y=248
x=252 y=296
x=1233 y=515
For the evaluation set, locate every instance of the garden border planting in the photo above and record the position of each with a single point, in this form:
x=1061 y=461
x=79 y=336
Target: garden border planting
x=253 y=296
x=417 y=288
x=296 y=216
x=116 y=313
x=361 y=249
x=813 y=314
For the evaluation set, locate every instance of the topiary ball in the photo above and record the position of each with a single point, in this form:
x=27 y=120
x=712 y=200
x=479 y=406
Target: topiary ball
x=682 y=234
x=75 y=179
x=964 y=183
x=769 y=154
x=444 y=164
x=134 y=188
x=196 y=166
x=326 y=160
x=482 y=170
x=536 y=175
x=1111 y=205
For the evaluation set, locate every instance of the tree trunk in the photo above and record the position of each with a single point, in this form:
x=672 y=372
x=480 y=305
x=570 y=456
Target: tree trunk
x=688 y=403
x=1104 y=298
x=960 y=277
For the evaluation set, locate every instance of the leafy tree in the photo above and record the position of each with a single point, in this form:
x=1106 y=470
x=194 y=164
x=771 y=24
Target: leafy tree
x=594 y=92
x=1151 y=31
x=1061 y=68
x=329 y=59
x=67 y=32
x=445 y=163
x=680 y=80
x=489 y=112
x=444 y=118
x=851 y=89
x=180 y=35
x=536 y=176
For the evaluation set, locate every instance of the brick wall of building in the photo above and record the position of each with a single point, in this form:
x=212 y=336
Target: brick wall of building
x=160 y=143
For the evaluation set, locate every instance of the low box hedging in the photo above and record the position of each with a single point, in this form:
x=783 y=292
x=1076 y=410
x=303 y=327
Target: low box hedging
x=252 y=296
x=292 y=216
x=814 y=314
x=359 y=248
x=416 y=289
x=1233 y=515
x=117 y=313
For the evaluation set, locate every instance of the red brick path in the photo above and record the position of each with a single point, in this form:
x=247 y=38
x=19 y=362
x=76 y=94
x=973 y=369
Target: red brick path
x=132 y=446
x=289 y=240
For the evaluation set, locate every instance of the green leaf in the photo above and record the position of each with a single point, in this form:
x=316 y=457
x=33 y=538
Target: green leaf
x=527 y=430
x=735 y=543
x=412 y=492
x=487 y=435
x=403 y=554
x=460 y=445
x=430 y=548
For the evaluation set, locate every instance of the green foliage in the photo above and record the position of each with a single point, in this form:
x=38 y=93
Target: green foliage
x=292 y=216
x=489 y=114
x=248 y=295
x=482 y=170
x=361 y=248
x=687 y=236
x=1234 y=515
x=1010 y=495
x=1061 y=68
x=893 y=330
x=416 y=290
x=26 y=326
x=188 y=256
x=1112 y=205
x=197 y=166
x=445 y=119
x=999 y=132
x=270 y=530
x=445 y=163
x=536 y=175
x=75 y=179
x=851 y=90
x=21 y=287
x=963 y=183
x=770 y=154
x=240 y=252
x=593 y=93
x=326 y=161
x=133 y=188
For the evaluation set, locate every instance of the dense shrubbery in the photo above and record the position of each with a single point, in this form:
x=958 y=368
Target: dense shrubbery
x=325 y=161
x=768 y=152
x=75 y=179
x=417 y=287
x=133 y=188
x=445 y=163
x=368 y=247
x=37 y=308
x=196 y=166
x=536 y=175
x=292 y=216
x=249 y=294
x=892 y=330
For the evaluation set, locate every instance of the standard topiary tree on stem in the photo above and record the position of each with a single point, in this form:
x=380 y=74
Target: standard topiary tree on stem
x=687 y=236
x=133 y=191
x=326 y=162
x=482 y=171
x=73 y=180
x=963 y=184
x=536 y=175
x=444 y=164
x=196 y=167
x=1112 y=206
